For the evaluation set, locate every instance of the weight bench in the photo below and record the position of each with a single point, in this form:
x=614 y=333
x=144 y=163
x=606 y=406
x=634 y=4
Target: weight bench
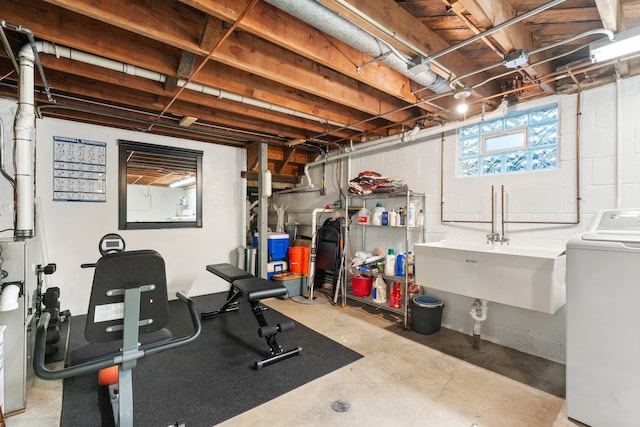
x=255 y=289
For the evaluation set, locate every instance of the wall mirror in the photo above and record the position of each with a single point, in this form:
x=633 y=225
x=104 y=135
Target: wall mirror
x=158 y=186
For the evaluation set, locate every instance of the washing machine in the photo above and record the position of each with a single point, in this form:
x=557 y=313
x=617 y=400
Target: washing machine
x=603 y=321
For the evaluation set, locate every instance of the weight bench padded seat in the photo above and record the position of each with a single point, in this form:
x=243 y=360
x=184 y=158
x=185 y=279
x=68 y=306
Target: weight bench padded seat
x=254 y=289
x=228 y=272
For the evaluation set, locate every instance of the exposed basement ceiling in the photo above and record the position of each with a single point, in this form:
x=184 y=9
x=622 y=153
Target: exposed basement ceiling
x=242 y=72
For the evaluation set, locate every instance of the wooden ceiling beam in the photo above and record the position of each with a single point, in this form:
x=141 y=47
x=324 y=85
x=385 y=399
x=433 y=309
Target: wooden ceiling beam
x=490 y=13
x=153 y=102
x=408 y=30
x=288 y=153
x=609 y=11
x=241 y=51
x=266 y=21
x=78 y=32
x=272 y=62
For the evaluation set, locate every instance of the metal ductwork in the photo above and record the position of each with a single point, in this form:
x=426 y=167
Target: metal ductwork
x=23 y=146
x=327 y=21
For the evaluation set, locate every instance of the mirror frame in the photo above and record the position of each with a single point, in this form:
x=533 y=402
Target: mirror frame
x=123 y=147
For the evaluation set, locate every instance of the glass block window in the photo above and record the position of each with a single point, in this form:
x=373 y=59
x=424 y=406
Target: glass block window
x=522 y=141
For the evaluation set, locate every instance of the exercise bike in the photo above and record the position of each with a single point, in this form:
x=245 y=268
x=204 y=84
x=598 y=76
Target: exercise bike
x=126 y=319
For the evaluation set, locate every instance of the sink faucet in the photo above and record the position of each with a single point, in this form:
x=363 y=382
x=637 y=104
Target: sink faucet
x=493 y=237
x=497 y=238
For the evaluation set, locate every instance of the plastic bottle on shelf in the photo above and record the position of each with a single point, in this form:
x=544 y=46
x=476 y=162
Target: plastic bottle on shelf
x=390 y=263
x=401 y=217
x=411 y=215
x=401 y=265
x=377 y=214
x=393 y=218
x=379 y=290
x=395 y=298
x=363 y=216
x=420 y=219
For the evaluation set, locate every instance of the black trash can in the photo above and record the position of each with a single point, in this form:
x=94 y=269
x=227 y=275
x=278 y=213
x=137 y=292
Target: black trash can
x=426 y=314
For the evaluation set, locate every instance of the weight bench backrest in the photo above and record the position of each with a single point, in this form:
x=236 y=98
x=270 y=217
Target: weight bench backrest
x=113 y=274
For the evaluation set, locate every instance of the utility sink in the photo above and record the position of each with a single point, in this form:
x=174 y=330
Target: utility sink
x=526 y=277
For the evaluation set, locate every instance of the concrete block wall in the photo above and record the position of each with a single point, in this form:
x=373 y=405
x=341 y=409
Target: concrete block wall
x=609 y=178
x=69 y=231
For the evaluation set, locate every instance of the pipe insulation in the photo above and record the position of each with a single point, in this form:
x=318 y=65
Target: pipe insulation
x=3 y=171
x=327 y=21
x=23 y=147
x=120 y=67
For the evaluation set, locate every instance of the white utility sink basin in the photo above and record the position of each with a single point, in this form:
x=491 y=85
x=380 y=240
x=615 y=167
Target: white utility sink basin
x=531 y=278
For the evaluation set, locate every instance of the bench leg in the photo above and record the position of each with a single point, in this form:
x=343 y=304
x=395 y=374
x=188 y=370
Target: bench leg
x=269 y=333
x=276 y=358
x=231 y=304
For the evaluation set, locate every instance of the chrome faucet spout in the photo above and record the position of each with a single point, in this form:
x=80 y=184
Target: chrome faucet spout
x=492 y=238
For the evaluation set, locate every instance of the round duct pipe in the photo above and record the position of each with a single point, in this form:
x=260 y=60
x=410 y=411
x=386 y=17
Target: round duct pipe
x=325 y=20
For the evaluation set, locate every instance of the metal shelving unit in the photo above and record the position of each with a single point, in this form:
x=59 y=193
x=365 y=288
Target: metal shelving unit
x=377 y=233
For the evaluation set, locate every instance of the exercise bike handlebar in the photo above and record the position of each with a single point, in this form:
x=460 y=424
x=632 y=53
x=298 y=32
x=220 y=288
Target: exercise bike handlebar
x=109 y=360
x=39 y=357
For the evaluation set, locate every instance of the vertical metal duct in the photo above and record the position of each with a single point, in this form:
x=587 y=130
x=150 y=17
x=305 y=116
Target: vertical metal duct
x=325 y=20
x=23 y=150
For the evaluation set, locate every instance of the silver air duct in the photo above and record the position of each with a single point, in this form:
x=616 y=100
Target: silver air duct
x=325 y=20
x=23 y=148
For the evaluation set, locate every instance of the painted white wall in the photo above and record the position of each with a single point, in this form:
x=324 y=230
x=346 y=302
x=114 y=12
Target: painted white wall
x=542 y=196
x=71 y=230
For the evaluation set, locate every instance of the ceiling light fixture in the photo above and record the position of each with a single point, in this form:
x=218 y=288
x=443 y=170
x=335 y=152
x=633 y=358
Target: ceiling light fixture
x=183 y=182
x=623 y=43
x=461 y=94
x=515 y=58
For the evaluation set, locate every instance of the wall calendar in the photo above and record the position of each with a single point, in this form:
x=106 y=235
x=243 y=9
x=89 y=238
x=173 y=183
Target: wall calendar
x=79 y=170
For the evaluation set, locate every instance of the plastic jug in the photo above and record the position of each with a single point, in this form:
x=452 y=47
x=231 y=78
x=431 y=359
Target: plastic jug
x=401 y=265
x=377 y=215
x=379 y=290
x=363 y=216
x=390 y=263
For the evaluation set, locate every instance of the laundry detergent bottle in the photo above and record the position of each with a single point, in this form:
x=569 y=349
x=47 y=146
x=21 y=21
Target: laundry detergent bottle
x=401 y=265
x=379 y=290
x=390 y=263
x=377 y=214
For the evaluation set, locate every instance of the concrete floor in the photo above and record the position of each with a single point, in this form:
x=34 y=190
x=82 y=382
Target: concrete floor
x=400 y=381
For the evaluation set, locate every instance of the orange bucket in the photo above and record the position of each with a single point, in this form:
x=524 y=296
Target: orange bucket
x=299 y=259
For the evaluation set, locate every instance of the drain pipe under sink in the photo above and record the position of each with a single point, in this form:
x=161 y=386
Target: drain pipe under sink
x=478 y=312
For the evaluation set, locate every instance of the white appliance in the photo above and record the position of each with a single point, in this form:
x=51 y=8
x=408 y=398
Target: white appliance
x=603 y=321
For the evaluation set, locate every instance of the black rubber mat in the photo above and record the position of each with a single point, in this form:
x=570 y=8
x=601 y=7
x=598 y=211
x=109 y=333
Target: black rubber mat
x=211 y=379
